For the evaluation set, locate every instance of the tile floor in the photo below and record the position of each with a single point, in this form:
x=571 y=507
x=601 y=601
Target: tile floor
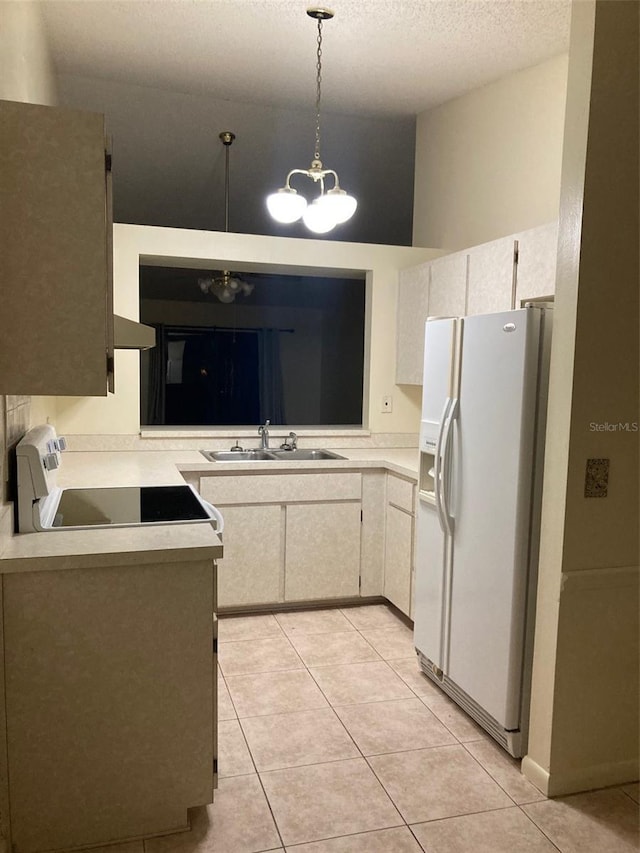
x=331 y=741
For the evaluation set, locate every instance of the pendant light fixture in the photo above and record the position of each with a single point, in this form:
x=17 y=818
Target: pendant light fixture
x=227 y=286
x=332 y=206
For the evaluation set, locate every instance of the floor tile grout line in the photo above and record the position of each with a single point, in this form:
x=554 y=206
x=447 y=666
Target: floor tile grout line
x=488 y=772
x=631 y=797
x=235 y=710
x=264 y=671
x=348 y=835
x=410 y=828
x=269 y=806
x=539 y=828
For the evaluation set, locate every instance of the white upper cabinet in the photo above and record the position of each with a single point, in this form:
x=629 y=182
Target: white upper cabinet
x=491 y=276
x=448 y=286
x=536 y=269
x=413 y=300
x=56 y=322
x=481 y=280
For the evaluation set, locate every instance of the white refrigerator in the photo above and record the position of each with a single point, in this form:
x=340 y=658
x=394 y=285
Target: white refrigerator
x=481 y=455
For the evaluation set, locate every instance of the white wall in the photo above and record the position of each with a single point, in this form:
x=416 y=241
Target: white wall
x=488 y=163
x=119 y=414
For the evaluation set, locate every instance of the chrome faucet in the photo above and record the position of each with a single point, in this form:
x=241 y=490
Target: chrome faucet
x=263 y=432
x=290 y=442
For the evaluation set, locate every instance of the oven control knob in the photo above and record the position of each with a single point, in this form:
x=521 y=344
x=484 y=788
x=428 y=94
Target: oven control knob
x=51 y=461
x=62 y=442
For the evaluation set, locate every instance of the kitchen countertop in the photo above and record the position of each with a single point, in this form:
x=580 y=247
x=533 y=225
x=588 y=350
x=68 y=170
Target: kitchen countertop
x=155 y=467
x=116 y=546
x=128 y=545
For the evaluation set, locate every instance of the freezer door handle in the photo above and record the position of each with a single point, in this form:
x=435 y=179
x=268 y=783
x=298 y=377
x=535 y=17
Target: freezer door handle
x=437 y=478
x=446 y=466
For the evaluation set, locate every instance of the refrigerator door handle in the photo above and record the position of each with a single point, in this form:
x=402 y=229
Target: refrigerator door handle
x=446 y=465
x=437 y=473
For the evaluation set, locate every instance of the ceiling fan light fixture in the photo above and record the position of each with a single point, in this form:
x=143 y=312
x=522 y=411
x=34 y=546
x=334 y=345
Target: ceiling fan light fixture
x=333 y=206
x=226 y=286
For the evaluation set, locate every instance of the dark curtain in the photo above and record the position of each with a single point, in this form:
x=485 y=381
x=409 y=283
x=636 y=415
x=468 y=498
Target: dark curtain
x=219 y=380
x=271 y=390
x=157 y=378
x=228 y=377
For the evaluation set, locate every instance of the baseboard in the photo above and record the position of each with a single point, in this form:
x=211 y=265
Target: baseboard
x=537 y=775
x=583 y=779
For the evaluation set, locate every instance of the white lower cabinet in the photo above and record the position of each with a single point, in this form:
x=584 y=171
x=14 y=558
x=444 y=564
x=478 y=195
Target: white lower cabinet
x=397 y=558
x=399 y=543
x=322 y=551
x=287 y=537
x=251 y=570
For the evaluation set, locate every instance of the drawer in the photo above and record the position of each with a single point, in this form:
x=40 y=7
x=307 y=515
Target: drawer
x=281 y=488
x=400 y=492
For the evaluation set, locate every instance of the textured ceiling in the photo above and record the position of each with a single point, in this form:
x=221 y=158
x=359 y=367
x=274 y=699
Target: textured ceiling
x=398 y=57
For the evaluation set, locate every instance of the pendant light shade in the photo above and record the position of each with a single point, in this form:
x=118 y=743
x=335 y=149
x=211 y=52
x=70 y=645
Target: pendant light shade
x=342 y=206
x=318 y=217
x=286 y=205
x=331 y=207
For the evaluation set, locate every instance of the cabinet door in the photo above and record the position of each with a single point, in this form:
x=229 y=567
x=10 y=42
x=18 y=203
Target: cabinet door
x=491 y=277
x=448 y=286
x=413 y=299
x=322 y=552
x=250 y=571
x=109 y=701
x=54 y=334
x=397 y=558
x=536 y=269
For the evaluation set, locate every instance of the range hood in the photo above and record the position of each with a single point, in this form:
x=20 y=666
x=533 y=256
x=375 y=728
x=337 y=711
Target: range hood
x=127 y=334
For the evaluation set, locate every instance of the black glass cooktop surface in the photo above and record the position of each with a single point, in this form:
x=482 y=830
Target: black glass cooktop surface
x=128 y=505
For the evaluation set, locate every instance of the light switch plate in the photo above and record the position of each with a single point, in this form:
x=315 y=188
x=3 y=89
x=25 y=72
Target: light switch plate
x=596 y=480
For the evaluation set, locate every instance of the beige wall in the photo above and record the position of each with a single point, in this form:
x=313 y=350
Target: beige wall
x=584 y=724
x=488 y=163
x=26 y=70
x=119 y=414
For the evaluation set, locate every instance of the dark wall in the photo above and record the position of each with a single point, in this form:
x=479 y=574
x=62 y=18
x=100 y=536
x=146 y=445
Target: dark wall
x=169 y=162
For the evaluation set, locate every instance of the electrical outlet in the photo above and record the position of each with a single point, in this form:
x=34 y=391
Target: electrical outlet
x=387 y=404
x=596 y=480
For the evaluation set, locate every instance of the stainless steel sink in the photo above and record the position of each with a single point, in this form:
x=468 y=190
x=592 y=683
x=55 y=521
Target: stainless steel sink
x=299 y=455
x=303 y=455
x=236 y=455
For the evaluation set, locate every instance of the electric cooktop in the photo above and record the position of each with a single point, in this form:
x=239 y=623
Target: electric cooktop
x=43 y=505
x=127 y=505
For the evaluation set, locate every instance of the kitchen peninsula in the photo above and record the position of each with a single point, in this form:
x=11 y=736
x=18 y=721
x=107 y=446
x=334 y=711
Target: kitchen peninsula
x=110 y=689
x=109 y=679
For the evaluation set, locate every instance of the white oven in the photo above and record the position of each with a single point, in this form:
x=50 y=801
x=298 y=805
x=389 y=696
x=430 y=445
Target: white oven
x=44 y=506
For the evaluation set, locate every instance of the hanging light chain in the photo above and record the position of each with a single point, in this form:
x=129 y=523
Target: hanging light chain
x=318 y=89
x=332 y=206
